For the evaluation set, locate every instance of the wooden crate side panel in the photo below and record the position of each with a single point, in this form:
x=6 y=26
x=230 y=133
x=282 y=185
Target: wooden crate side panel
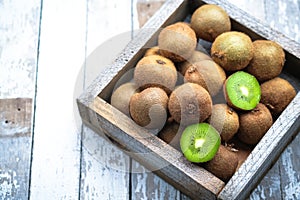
x=165 y=160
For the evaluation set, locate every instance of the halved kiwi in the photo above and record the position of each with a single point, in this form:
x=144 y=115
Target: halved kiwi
x=200 y=142
x=242 y=91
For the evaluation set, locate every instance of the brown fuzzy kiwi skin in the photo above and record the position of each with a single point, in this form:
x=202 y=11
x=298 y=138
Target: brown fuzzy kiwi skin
x=232 y=50
x=223 y=165
x=268 y=60
x=276 y=94
x=196 y=57
x=155 y=71
x=152 y=51
x=225 y=120
x=208 y=74
x=120 y=98
x=190 y=103
x=254 y=124
x=209 y=21
x=171 y=134
x=177 y=42
x=149 y=108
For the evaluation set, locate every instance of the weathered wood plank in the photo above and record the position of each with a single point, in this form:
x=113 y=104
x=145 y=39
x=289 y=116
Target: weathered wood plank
x=19 y=28
x=56 y=149
x=15 y=147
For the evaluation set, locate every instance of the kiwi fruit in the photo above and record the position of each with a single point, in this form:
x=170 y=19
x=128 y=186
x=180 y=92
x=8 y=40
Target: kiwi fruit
x=189 y=103
x=242 y=91
x=208 y=74
x=196 y=57
x=155 y=71
x=152 y=51
x=209 y=21
x=120 y=97
x=171 y=134
x=223 y=165
x=148 y=108
x=268 y=60
x=254 y=124
x=225 y=120
x=241 y=149
x=232 y=50
x=177 y=42
x=199 y=142
x=276 y=94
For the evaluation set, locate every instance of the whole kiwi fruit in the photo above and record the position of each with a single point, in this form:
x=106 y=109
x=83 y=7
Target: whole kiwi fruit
x=196 y=57
x=171 y=134
x=254 y=124
x=209 y=21
x=148 y=108
x=241 y=149
x=276 y=94
x=208 y=74
x=120 y=97
x=223 y=165
x=225 y=120
x=268 y=60
x=190 y=103
x=177 y=41
x=155 y=70
x=232 y=50
x=152 y=51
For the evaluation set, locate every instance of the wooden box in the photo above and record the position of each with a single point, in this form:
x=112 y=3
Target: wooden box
x=155 y=154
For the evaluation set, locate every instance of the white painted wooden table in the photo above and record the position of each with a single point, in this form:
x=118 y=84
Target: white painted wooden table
x=45 y=153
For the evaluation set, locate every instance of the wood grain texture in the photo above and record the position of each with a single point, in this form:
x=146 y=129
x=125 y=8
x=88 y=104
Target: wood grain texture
x=15 y=147
x=19 y=30
x=104 y=167
x=56 y=150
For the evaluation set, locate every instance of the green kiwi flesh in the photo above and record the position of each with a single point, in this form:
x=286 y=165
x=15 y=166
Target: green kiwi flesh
x=267 y=61
x=199 y=142
x=232 y=50
x=242 y=91
x=254 y=124
x=209 y=21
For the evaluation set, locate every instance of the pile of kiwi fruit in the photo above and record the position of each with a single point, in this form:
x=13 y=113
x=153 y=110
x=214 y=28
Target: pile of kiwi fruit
x=214 y=106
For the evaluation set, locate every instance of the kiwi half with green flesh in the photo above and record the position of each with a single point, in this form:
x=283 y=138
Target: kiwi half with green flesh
x=267 y=61
x=242 y=91
x=199 y=142
x=276 y=94
x=209 y=21
x=149 y=108
x=254 y=124
x=208 y=74
x=177 y=42
x=196 y=57
x=232 y=50
x=120 y=98
x=152 y=51
x=225 y=120
x=189 y=103
x=155 y=71
x=223 y=165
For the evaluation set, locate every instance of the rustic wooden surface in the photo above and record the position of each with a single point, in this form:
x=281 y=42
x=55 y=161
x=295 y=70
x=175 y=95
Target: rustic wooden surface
x=49 y=155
